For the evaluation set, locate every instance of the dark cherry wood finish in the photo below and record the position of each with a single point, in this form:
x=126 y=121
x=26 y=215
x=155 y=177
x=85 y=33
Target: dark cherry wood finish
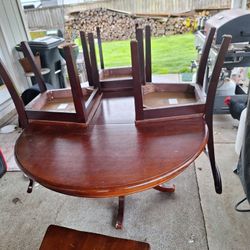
x=148 y=59
x=62 y=238
x=120 y=213
x=93 y=60
x=112 y=157
x=108 y=79
x=82 y=105
x=165 y=188
x=205 y=109
x=210 y=106
x=137 y=82
x=204 y=57
x=76 y=89
x=144 y=113
x=188 y=108
x=86 y=58
x=30 y=56
x=139 y=38
x=117 y=78
x=153 y=153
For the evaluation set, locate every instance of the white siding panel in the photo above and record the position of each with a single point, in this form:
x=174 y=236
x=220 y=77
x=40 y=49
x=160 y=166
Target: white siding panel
x=12 y=32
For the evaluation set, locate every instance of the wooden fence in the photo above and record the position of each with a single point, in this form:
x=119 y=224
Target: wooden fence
x=53 y=17
x=46 y=18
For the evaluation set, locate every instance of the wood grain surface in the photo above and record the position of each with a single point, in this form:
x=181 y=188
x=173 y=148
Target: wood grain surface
x=112 y=156
x=61 y=238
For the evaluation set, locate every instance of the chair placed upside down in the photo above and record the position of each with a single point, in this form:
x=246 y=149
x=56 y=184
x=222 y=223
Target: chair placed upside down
x=73 y=104
x=117 y=78
x=165 y=99
x=109 y=78
x=63 y=238
x=144 y=113
x=117 y=72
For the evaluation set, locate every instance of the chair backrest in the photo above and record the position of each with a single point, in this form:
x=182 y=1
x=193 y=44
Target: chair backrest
x=30 y=56
x=148 y=61
x=204 y=57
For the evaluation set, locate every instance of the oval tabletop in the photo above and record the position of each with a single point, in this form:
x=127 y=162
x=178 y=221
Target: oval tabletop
x=109 y=159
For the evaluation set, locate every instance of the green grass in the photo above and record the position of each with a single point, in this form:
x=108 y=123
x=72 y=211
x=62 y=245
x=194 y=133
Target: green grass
x=171 y=54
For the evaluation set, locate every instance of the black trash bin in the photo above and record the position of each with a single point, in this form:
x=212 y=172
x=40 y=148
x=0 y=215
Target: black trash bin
x=29 y=94
x=50 y=58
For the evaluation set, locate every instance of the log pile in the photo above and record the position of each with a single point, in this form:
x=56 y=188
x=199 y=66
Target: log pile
x=116 y=25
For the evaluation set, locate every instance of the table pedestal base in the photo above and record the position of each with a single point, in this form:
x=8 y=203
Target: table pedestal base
x=121 y=205
x=164 y=188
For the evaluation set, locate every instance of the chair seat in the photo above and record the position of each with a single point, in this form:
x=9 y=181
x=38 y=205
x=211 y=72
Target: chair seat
x=61 y=238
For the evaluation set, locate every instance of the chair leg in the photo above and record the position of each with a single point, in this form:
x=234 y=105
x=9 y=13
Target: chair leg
x=120 y=215
x=165 y=189
x=30 y=186
x=215 y=170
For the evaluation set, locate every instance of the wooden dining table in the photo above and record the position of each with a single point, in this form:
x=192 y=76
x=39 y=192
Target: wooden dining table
x=112 y=156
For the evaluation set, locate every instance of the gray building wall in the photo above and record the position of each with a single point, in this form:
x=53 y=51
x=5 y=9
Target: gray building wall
x=12 y=32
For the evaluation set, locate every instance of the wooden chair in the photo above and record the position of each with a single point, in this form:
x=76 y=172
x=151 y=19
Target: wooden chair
x=145 y=114
x=109 y=78
x=162 y=100
x=139 y=35
x=63 y=238
x=113 y=78
x=73 y=104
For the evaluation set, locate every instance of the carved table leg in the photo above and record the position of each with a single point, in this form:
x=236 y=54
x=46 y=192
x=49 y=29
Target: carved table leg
x=165 y=189
x=120 y=215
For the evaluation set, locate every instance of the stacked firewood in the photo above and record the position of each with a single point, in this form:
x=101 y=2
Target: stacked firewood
x=117 y=25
